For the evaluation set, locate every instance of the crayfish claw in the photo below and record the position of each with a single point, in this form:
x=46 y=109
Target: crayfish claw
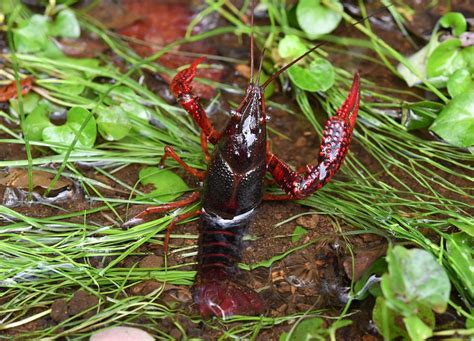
x=349 y=109
x=181 y=82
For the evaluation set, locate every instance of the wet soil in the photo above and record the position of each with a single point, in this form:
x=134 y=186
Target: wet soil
x=314 y=277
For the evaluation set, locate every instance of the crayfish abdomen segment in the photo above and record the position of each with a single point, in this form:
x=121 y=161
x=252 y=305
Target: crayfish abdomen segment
x=216 y=290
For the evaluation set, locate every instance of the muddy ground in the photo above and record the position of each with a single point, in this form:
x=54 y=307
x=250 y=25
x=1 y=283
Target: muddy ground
x=315 y=277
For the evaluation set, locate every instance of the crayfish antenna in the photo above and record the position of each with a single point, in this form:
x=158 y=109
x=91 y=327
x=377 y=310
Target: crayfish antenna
x=252 y=43
x=257 y=82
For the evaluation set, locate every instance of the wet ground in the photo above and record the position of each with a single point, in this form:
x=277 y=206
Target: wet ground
x=314 y=277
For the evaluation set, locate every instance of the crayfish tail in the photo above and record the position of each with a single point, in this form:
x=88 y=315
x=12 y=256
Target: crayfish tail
x=217 y=295
x=217 y=291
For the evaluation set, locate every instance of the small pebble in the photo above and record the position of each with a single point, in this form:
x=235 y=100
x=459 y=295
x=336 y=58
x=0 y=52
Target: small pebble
x=122 y=334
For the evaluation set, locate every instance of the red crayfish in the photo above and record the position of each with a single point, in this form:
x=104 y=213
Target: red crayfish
x=234 y=184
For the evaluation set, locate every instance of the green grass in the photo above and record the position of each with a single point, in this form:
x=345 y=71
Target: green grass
x=44 y=259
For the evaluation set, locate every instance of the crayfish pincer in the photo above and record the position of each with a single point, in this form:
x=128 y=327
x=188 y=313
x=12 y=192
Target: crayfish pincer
x=234 y=184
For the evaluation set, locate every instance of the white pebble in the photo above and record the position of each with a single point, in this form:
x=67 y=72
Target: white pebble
x=121 y=334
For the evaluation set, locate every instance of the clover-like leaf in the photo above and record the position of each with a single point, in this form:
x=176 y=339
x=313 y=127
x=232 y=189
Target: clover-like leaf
x=446 y=59
x=460 y=81
x=455 y=123
x=418 y=61
x=64 y=135
x=123 y=93
x=30 y=101
x=51 y=50
x=468 y=55
x=168 y=185
x=385 y=320
x=309 y=329
x=318 y=76
x=291 y=46
x=136 y=109
x=37 y=121
x=416 y=278
x=316 y=19
x=65 y=25
x=454 y=20
x=417 y=329
x=32 y=34
x=113 y=123
x=420 y=114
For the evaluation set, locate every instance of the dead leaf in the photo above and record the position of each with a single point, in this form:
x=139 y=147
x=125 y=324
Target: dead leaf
x=18 y=178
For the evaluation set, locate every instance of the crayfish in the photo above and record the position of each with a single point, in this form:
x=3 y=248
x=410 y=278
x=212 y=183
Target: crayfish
x=234 y=183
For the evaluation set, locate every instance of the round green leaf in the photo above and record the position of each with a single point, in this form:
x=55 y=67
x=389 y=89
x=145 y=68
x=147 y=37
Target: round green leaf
x=417 y=329
x=455 y=123
x=454 y=20
x=459 y=82
x=30 y=101
x=113 y=123
x=385 y=320
x=129 y=102
x=309 y=329
x=51 y=50
x=65 y=134
x=135 y=109
x=65 y=25
x=291 y=46
x=37 y=121
x=446 y=59
x=168 y=185
x=418 y=62
x=6 y=7
x=416 y=278
x=31 y=36
x=316 y=19
x=468 y=55
x=319 y=76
